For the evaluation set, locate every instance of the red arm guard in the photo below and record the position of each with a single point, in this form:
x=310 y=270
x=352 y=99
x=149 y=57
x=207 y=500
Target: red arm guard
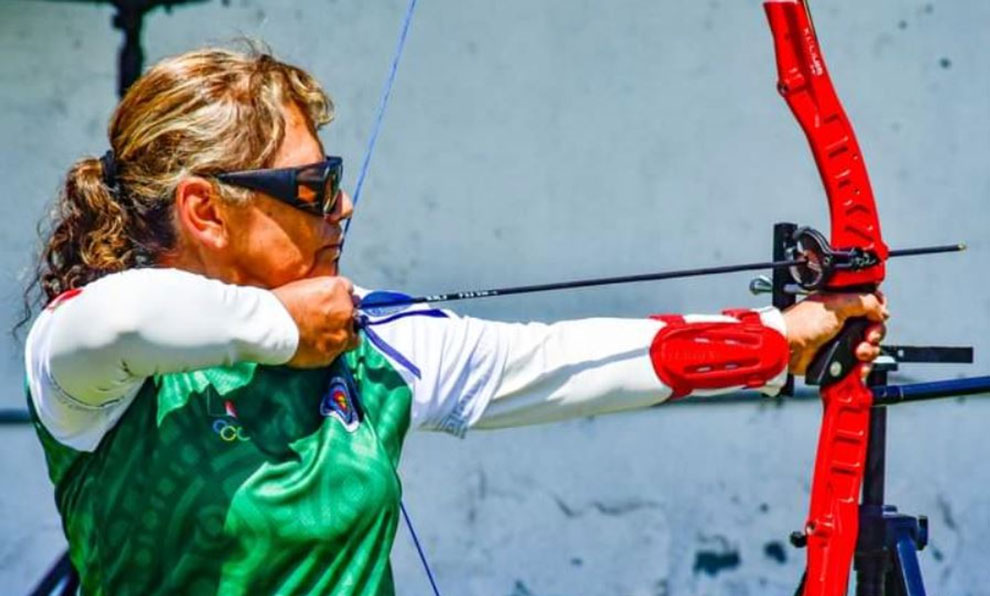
x=717 y=355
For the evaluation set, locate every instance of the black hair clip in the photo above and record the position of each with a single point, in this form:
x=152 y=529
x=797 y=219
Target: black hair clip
x=109 y=163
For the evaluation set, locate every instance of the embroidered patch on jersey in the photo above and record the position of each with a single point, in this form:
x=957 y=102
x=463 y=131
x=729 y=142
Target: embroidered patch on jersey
x=224 y=420
x=229 y=430
x=338 y=402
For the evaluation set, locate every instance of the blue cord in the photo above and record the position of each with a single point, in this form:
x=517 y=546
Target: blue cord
x=382 y=104
x=365 y=164
x=419 y=548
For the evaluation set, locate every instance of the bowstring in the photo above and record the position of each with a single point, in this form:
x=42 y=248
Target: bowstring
x=419 y=548
x=358 y=187
x=380 y=116
x=811 y=19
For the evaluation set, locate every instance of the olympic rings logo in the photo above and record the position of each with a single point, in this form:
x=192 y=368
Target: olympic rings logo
x=229 y=432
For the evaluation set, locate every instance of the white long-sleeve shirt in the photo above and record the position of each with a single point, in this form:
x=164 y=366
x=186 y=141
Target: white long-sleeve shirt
x=88 y=354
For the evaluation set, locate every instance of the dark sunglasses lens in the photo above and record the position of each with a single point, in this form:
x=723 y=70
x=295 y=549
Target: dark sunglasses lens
x=324 y=180
x=331 y=189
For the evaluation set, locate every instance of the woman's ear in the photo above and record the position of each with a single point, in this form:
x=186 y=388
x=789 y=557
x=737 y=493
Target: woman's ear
x=202 y=214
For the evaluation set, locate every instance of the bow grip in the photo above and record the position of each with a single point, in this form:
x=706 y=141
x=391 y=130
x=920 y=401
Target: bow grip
x=838 y=357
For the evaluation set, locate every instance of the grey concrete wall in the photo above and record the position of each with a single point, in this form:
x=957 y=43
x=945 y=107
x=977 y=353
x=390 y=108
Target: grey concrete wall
x=532 y=141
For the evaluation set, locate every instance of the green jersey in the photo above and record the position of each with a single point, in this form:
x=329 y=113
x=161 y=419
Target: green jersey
x=186 y=459
x=241 y=479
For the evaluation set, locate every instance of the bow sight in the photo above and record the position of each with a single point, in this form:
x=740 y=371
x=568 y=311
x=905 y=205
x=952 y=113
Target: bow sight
x=818 y=261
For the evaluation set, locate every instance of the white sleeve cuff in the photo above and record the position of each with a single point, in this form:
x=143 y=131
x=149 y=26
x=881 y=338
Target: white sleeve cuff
x=772 y=317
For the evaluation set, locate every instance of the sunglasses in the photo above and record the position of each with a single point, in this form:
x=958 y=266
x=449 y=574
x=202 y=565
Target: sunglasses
x=313 y=188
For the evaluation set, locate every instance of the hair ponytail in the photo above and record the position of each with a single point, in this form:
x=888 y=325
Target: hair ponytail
x=88 y=232
x=86 y=237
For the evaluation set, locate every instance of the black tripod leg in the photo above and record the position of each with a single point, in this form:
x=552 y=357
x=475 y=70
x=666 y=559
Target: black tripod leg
x=906 y=562
x=60 y=573
x=800 y=588
x=71 y=586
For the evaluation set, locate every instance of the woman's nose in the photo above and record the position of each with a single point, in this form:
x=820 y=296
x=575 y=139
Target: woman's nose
x=343 y=210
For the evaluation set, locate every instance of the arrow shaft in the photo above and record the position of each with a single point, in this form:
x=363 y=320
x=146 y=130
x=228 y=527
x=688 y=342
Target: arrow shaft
x=625 y=279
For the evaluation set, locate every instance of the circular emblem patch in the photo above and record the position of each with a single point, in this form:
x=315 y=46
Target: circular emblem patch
x=338 y=403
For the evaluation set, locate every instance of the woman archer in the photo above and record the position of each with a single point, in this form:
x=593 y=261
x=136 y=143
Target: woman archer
x=211 y=419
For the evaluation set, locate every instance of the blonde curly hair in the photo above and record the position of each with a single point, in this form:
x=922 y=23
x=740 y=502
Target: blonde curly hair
x=199 y=113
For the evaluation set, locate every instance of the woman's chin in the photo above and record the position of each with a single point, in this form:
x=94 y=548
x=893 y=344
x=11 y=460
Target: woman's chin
x=324 y=267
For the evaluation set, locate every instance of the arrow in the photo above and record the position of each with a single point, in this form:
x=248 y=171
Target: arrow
x=383 y=300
